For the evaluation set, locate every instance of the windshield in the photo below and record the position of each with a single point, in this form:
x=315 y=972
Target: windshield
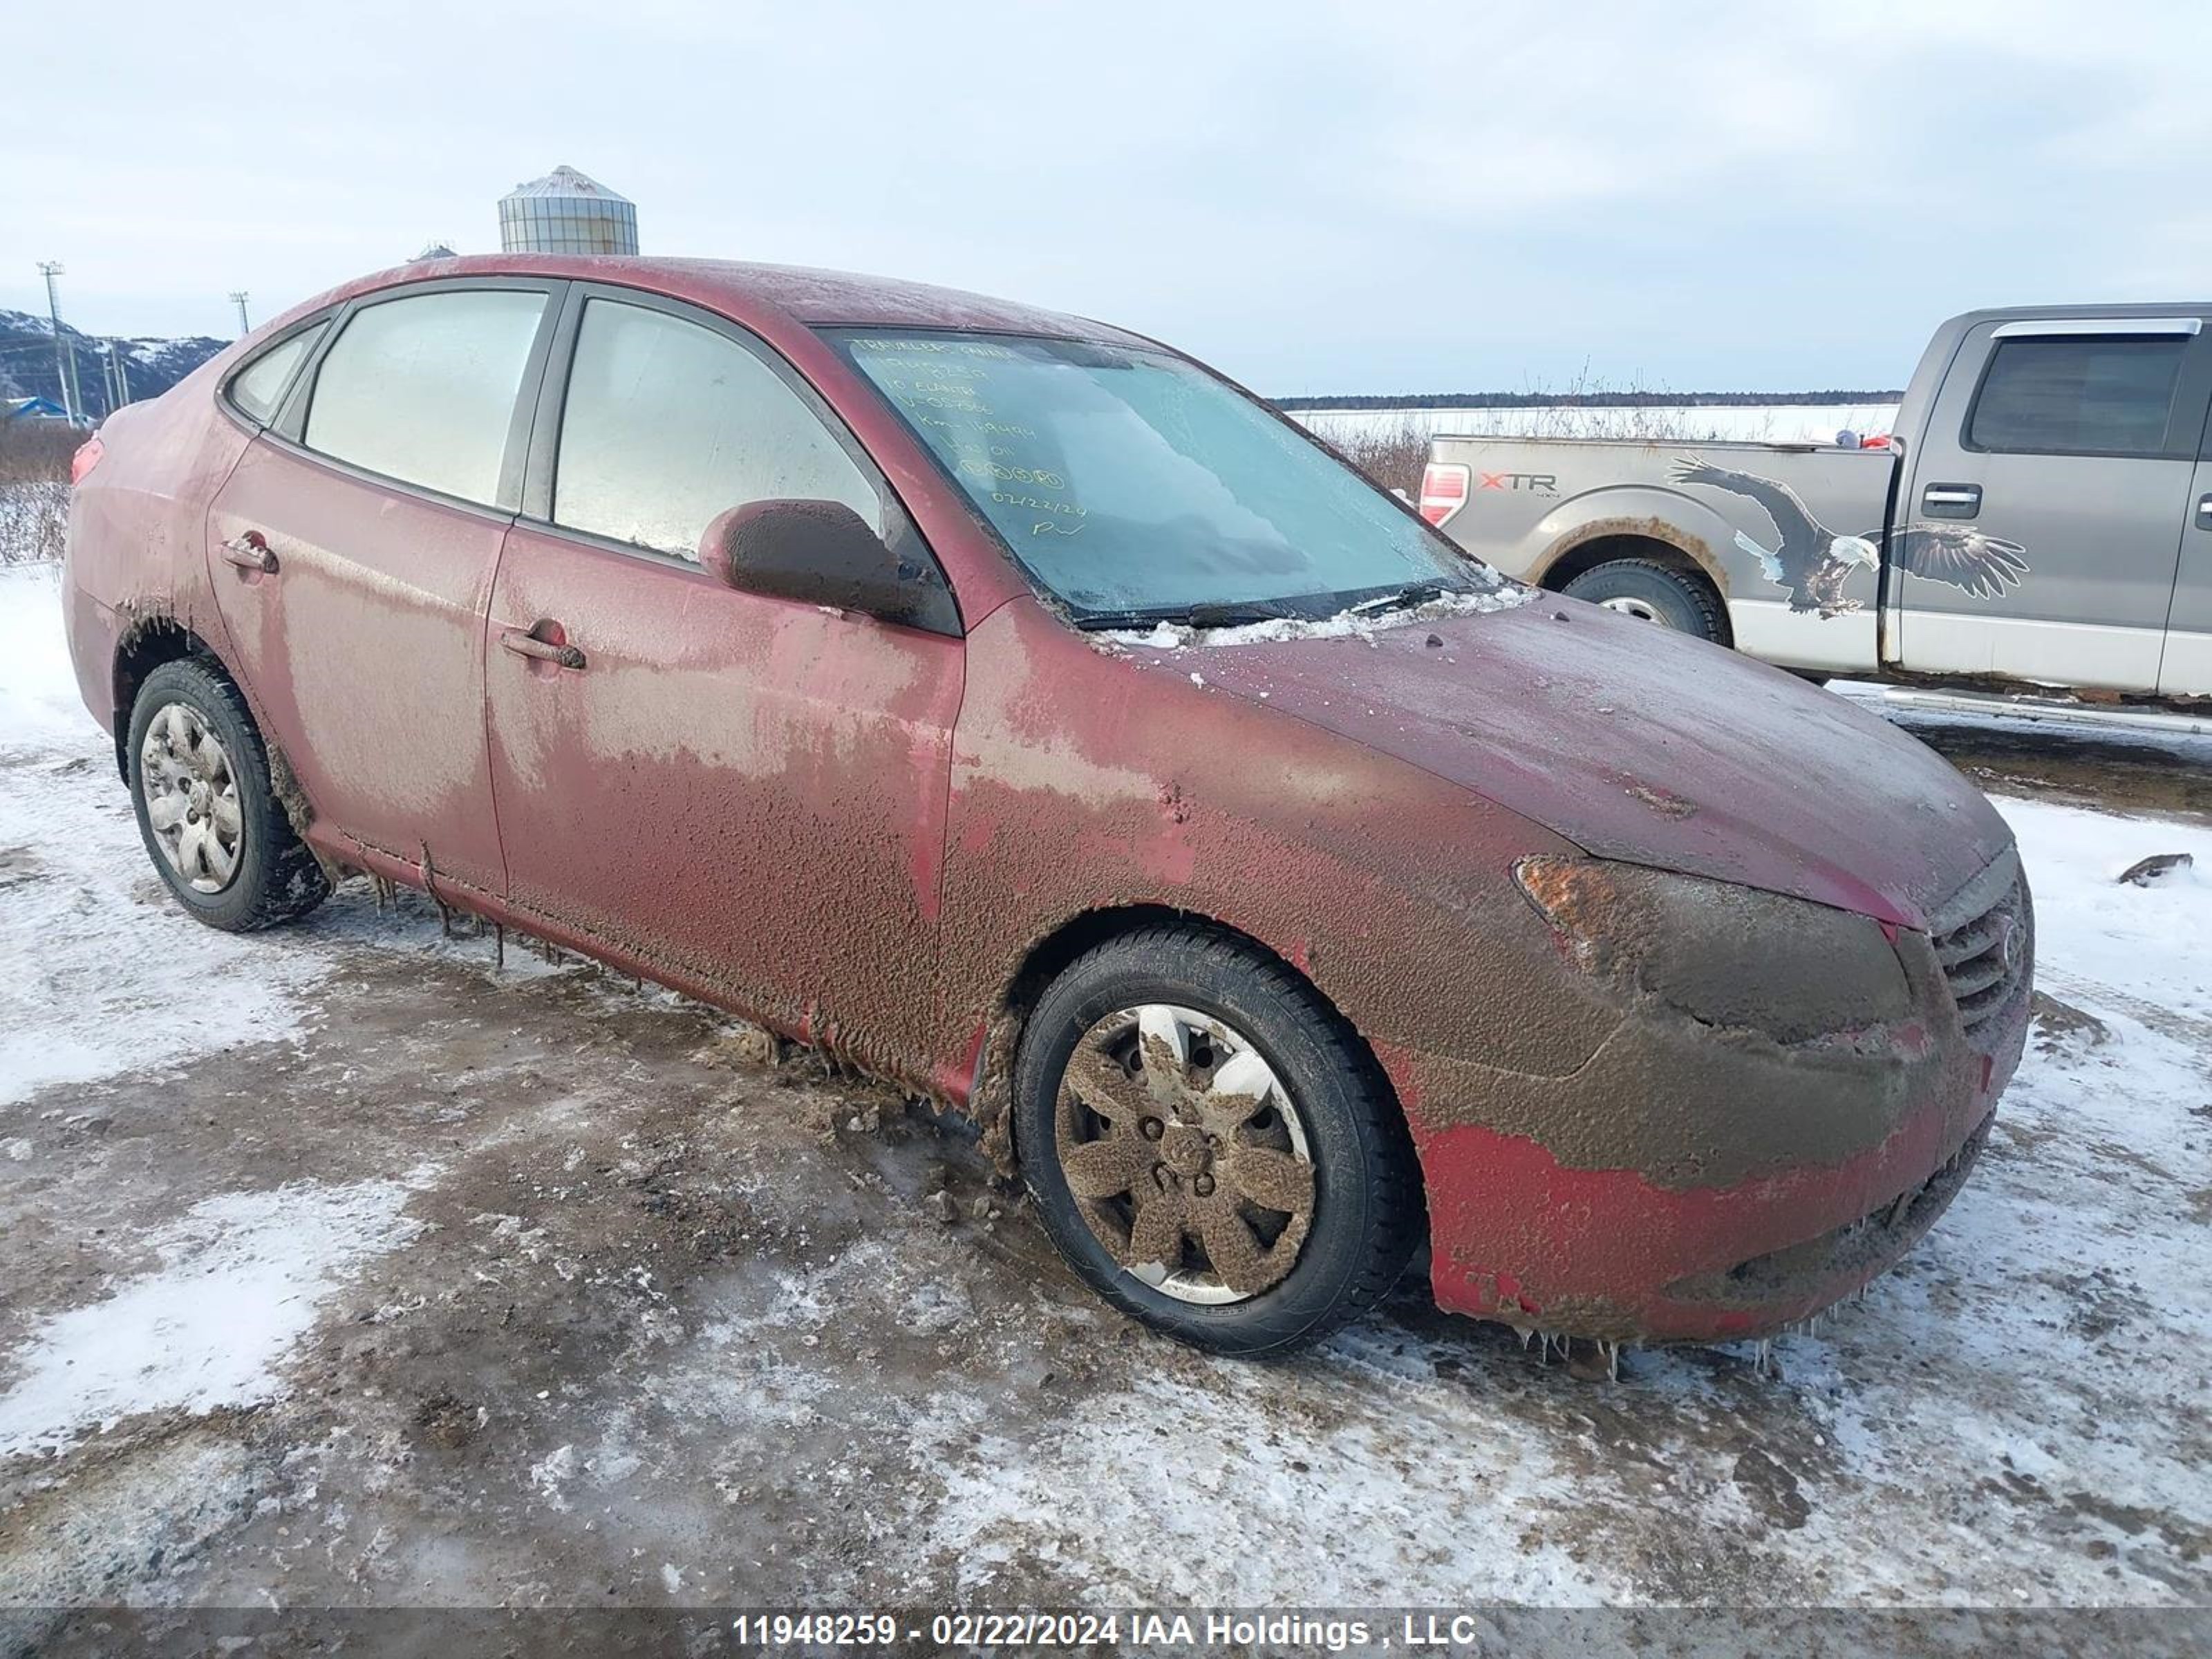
x=1134 y=485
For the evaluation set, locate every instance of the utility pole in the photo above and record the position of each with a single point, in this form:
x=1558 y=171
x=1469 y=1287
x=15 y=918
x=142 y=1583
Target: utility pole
x=239 y=299
x=64 y=353
x=118 y=377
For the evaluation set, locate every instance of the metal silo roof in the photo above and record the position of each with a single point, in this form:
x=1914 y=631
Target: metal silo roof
x=566 y=181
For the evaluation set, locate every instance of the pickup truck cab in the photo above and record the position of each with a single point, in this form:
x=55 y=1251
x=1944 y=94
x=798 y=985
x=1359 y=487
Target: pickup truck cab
x=2042 y=514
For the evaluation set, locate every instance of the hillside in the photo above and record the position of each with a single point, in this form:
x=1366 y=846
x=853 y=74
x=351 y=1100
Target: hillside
x=27 y=368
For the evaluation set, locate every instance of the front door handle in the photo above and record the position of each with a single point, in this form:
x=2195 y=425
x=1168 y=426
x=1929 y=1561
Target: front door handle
x=1951 y=501
x=538 y=650
x=2204 y=512
x=249 y=552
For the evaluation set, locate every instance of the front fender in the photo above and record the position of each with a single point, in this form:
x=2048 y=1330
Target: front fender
x=1082 y=785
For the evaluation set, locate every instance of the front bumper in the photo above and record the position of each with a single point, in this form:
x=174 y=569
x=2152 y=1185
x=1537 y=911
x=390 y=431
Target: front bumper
x=1741 y=1184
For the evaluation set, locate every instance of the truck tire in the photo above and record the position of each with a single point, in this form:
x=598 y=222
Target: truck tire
x=1655 y=592
x=1209 y=1145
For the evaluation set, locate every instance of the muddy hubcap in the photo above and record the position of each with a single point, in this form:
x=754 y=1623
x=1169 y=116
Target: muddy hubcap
x=1641 y=610
x=1185 y=1154
x=192 y=798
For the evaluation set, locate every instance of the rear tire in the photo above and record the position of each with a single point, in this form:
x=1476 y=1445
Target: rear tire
x=1654 y=592
x=207 y=809
x=1277 y=1139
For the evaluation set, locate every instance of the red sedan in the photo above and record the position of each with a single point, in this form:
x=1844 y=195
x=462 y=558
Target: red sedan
x=1015 y=707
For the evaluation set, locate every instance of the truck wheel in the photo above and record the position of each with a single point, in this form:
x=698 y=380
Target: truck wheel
x=1208 y=1145
x=1653 y=592
x=199 y=780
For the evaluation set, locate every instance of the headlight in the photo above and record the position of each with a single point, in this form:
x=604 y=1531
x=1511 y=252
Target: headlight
x=1731 y=957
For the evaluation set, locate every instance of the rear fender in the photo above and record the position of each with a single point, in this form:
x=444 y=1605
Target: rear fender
x=137 y=553
x=1642 y=512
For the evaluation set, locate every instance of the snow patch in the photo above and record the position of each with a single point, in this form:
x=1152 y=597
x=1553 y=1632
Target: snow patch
x=1771 y=423
x=2153 y=943
x=110 y=974
x=1359 y=620
x=551 y=1474
x=241 y=1279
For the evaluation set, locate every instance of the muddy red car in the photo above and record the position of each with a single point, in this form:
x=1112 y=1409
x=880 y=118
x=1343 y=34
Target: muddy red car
x=1011 y=706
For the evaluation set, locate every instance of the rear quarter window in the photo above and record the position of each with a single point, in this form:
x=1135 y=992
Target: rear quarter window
x=2077 y=397
x=422 y=389
x=258 y=388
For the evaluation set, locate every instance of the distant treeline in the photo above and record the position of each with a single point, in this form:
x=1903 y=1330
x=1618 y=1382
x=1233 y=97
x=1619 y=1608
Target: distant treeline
x=1629 y=399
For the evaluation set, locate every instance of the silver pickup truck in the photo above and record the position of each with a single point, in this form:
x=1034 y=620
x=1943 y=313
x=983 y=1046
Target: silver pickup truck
x=2042 y=514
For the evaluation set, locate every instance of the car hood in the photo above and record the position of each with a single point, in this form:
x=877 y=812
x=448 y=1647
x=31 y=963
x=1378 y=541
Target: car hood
x=1641 y=744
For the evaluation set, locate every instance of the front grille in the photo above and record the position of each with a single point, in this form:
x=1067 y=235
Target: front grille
x=1985 y=942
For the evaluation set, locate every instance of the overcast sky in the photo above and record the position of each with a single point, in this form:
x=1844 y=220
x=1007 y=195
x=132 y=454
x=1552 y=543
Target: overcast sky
x=1314 y=197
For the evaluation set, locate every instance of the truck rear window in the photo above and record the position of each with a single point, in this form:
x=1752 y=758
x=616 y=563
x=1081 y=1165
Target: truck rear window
x=2077 y=397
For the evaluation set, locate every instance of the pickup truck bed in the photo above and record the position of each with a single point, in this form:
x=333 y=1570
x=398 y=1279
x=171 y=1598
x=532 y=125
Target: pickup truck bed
x=1551 y=511
x=2042 y=516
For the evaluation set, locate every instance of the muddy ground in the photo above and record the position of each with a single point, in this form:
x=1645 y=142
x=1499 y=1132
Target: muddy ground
x=426 y=1281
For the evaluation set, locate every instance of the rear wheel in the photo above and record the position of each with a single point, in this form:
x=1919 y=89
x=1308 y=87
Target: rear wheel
x=1652 y=591
x=1208 y=1145
x=207 y=810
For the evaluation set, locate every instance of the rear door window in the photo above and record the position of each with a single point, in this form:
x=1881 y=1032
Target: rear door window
x=2078 y=397
x=422 y=389
x=259 y=386
x=668 y=425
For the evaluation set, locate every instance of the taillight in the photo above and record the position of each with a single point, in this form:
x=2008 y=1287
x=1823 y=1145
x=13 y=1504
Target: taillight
x=87 y=457
x=1444 y=491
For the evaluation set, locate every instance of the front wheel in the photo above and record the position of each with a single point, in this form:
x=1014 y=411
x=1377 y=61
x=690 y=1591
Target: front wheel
x=1209 y=1146
x=207 y=810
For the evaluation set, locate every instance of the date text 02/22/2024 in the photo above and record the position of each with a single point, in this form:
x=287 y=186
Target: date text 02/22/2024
x=1040 y=1629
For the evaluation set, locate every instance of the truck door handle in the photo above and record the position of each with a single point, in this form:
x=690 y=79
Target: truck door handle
x=249 y=552
x=538 y=650
x=1951 y=501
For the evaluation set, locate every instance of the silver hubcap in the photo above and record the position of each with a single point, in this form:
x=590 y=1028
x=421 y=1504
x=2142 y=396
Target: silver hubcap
x=1641 y=610
x=1185 y=1155
x=191 y=797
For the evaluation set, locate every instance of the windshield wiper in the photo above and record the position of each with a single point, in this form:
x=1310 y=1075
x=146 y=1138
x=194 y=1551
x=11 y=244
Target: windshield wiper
x=1234 y=616
x=1208 y=615
x=1405 y=598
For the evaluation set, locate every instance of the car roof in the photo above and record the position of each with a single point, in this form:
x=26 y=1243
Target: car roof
x=797 y=294
x=2096 y=311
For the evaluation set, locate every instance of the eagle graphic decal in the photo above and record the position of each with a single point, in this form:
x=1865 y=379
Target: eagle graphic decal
x=1813 y=562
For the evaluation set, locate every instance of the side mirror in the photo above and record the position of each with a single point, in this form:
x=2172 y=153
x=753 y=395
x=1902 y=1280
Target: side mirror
x=823 y=553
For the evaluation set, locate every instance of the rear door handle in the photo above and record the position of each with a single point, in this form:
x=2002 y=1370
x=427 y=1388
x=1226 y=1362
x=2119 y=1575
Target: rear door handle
x=538 y=650
x=1951 y=501
x=249 y=552
x=2204 y=512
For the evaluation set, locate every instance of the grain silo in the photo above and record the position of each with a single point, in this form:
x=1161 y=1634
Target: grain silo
x=564 y=212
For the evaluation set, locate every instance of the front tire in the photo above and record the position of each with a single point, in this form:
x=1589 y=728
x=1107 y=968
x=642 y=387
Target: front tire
x=1209 y=1145
x=207 y=809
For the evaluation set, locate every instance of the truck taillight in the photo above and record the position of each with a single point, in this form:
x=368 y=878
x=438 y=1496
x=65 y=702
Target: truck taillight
x=87 y=457
x=1444 y=491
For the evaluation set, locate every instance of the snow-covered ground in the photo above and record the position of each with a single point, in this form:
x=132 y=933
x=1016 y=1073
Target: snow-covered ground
x=344 y=1267
x=1778 y=423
